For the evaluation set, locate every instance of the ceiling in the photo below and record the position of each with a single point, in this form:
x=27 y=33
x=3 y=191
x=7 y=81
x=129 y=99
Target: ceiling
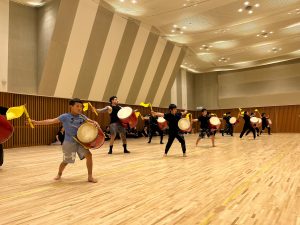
x=231 y=35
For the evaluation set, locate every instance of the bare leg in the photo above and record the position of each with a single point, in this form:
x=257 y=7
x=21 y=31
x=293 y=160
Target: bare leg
x=89 y=166
x=61 y=168
x=123 y=137
x=112 y=139
x=213 y=140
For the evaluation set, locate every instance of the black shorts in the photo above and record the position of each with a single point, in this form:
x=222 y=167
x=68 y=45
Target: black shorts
x=207 y=132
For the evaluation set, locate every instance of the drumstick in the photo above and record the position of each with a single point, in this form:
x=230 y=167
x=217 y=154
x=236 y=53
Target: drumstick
x=93 y=108
x=28 y=118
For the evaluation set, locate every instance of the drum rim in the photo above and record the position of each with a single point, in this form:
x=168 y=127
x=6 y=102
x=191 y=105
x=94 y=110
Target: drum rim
x=216 y=118
x=124 y=108
x=184 y=119
x=254 y=118
x=164 y=120
x=90 y=125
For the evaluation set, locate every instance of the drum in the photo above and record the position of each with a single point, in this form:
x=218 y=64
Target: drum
x=127 y=117
x=185 y=125
x=214 y=122
x=162 y=123
x=89 y=136
x=254 y=120
x=232 y=120
x=6 y=130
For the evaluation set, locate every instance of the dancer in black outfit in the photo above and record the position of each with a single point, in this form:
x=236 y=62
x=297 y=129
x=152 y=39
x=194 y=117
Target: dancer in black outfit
x=153 y=128
x=115 y=123
x=265 y=123
x=247 y=125
x=228 y=126
x=255 y=126
x=174 y=132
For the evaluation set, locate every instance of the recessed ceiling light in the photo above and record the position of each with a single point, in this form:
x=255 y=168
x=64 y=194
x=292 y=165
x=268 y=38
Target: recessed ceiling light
x=264 y=34
x=121 y=0
x=184 y=27
x=134 y=1
x=248 y=7
x=175 y=26
x=184 y=4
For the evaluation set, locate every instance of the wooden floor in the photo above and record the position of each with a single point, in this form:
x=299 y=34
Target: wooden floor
x=237 y=182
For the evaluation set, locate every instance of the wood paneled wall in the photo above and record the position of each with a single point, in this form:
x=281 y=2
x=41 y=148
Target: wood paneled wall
x=285 y=118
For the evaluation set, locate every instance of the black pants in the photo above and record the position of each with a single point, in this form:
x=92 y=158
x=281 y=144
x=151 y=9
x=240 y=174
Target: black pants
x=248 y=127
x=228 y=129
x=152 y=131
x=179 y=137
x=257 y=131
x=1 y=155
x=263 y=129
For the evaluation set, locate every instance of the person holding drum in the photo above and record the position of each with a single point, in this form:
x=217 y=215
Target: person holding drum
x=3 y=111
x=174 y=132
x=247 y=125
x=205 y=129
x=71 y=122
x=115 y=123
x=154 y=127
x=265 y=123
x=255 y=124
x=228 y=126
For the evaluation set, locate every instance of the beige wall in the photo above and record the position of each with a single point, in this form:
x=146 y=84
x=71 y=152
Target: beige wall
x=270 y=85
x=46 y=22
x=22 y=49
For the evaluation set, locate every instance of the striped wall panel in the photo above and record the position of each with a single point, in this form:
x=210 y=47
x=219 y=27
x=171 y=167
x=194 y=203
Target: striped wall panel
x=95 y=53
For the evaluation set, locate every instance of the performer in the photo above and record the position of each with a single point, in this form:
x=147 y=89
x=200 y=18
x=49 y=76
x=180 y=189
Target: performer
x=247 y=125
x=154 y=127
x=255 y=126
x=115 y=124
x=71 y=122
x=172 y=117
x=3 y=111
x=228 y=126
x=265 y=123
x=204 y=127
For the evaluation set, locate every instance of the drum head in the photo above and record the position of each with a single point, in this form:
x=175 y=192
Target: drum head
x=87 y=133
x=184 y=124
x=232 y=120
x=254 y=119
x=161 y=120
x=6 y=129
x=125 y=112
x=214 y=121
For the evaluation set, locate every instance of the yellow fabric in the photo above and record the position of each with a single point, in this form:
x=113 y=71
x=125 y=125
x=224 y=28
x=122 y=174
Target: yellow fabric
x=15 y=112
x=145 y=105
x=85 y=106
x=28 y=117
x=188 y=115
x=137 y=114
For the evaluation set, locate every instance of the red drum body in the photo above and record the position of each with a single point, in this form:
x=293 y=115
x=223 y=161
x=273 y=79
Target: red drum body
x=6 y=129
x=214 y=123
x=127 y=117
x=89 y=136
x=185 y=125
x=162 y=123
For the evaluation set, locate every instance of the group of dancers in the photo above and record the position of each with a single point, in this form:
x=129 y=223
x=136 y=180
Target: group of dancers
x=72 y=120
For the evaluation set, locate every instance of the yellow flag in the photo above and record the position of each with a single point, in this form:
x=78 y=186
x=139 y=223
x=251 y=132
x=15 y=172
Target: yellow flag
x=188 y=115
x=85 y=106
x=256 y=110
x=137 y=114
x=145 y=105
x=14 y=112
x=242 y=112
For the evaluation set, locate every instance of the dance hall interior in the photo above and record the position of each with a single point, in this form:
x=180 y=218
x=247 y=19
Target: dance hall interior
x=150 y=112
